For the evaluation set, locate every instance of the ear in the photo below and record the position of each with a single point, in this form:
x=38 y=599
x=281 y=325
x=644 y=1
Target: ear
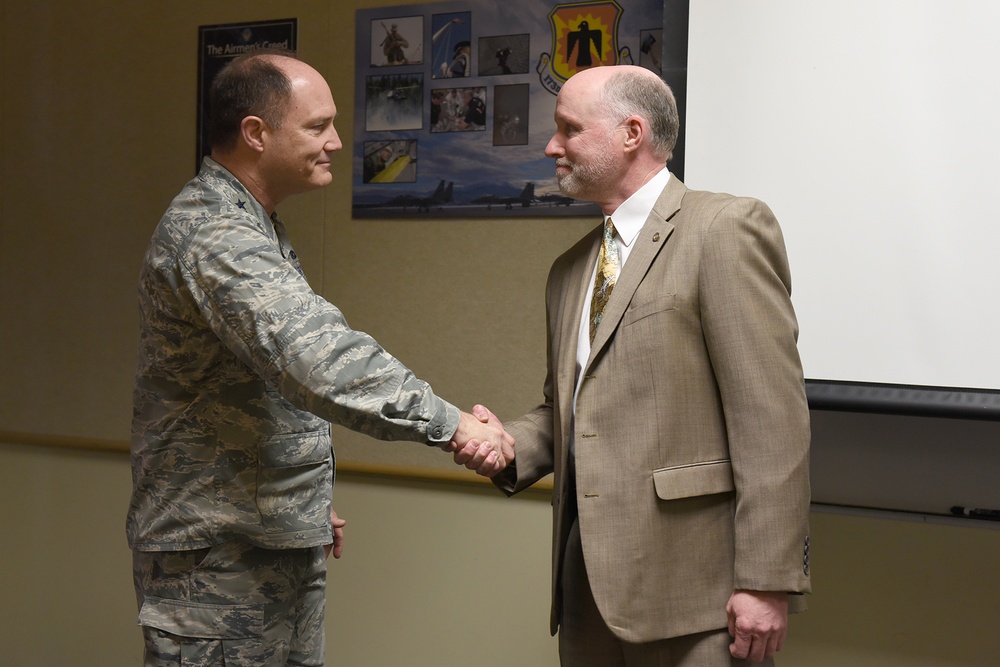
x=635 y=132
x=253 y=131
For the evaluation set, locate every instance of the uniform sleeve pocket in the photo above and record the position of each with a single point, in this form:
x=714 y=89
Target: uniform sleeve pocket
x=695 y=479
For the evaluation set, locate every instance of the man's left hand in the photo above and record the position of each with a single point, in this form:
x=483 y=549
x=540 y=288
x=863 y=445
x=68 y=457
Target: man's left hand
x=337 y=546
x=758 y=621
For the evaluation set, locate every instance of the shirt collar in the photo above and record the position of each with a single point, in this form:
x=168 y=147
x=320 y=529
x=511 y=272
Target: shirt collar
x=631 y=215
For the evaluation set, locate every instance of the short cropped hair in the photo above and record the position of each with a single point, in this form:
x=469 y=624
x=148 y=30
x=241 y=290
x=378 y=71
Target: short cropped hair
x=627 y=93
x=249 y=85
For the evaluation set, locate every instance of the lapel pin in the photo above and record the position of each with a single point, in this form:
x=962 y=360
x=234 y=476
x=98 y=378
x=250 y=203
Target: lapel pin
x=656 y=237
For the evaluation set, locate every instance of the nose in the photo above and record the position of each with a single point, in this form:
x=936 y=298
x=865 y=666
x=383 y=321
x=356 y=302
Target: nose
x=554 y=147
x=333 y=142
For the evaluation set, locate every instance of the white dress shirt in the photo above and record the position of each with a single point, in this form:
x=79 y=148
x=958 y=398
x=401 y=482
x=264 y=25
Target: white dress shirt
x=629 y=218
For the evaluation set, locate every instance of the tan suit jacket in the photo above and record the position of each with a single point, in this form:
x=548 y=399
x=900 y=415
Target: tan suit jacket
x=691 y=429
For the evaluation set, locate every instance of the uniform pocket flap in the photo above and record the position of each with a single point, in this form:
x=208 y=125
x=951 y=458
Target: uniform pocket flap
x=290 y=450
x=203 y=621
x=696 y=479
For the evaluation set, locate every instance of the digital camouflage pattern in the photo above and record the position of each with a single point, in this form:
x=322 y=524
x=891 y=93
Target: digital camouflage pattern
x=232 y=604
x=241 y=366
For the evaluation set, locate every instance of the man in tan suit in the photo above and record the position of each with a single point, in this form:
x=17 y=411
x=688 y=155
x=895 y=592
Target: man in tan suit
x=679 y=435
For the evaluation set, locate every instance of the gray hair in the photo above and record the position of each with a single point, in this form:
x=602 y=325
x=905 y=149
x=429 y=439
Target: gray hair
x=628 y=92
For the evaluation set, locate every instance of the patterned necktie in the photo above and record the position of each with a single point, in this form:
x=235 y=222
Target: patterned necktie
x=607 y=274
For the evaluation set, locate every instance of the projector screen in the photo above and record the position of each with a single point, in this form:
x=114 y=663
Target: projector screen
x=871 y=129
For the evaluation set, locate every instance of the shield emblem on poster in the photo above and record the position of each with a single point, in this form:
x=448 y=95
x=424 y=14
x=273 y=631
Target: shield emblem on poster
x=584 y=35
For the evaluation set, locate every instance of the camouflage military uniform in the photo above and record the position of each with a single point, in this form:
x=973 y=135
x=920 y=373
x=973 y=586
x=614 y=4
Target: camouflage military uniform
x=241 y=367
x=232 y=604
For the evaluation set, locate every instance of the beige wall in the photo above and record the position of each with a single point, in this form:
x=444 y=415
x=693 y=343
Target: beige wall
x=439 y=575
x=96 y=135
x=432 y=573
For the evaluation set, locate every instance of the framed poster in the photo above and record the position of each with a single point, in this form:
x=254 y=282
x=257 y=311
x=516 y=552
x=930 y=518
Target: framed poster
x=218 y=44
x=455 y=100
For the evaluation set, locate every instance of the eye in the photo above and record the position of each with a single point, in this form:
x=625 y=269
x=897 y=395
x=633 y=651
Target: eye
x=322 y=125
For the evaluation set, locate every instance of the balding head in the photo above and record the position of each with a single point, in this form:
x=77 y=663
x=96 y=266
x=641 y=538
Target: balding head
x=253 y=84
x=624 y=90
x=615 y=130
x=273 y=120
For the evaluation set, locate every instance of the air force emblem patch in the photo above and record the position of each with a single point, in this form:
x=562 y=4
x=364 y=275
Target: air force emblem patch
x=584 y=35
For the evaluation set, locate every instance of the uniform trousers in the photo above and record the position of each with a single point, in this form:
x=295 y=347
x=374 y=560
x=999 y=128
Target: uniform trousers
x=232 y=604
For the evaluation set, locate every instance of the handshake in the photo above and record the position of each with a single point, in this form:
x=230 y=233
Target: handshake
x=480 y=443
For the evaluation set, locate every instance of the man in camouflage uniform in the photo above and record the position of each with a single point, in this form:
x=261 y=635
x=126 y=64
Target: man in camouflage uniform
x=241 y=367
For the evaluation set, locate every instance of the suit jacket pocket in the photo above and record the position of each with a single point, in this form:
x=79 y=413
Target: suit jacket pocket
x=638 y=311
x=694 y=479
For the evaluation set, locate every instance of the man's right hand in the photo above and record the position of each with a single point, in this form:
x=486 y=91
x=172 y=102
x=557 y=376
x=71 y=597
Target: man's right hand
x=481 y=443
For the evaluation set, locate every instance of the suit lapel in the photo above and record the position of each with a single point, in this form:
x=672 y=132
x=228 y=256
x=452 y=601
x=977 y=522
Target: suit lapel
x=648 y=243
x=577 y=298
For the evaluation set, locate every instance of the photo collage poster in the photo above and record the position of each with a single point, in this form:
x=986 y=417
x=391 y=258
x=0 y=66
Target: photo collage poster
x=455 y=100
